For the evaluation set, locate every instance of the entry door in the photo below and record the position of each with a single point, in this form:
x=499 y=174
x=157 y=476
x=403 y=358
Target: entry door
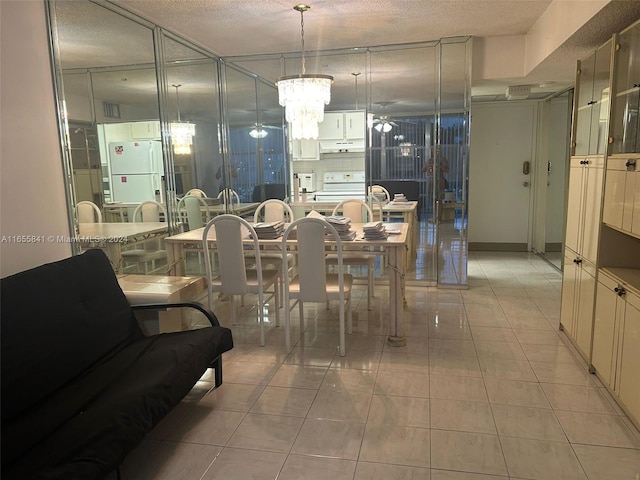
x=502 y=140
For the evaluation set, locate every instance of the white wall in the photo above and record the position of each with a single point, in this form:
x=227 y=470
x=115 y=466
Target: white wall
x=32 y=197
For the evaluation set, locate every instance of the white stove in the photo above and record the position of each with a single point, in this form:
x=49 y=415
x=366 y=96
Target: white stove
x=338 y=186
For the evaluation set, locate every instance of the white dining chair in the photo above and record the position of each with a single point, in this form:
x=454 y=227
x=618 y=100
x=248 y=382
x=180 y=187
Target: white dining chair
x=196 y=192
x=229 y=197
x=150 y=253
x=274 y=210
x=233 y=277
x=380 y=192
x=312 y=282
x=192 y=209
x=359 y=212
x=88 y=212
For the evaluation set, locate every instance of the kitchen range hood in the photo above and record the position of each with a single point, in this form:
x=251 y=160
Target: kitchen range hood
x=341 y=146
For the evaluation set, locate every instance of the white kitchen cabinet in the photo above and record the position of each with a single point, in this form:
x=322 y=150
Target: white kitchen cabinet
x=578 y=290
x=584 y=205
x=630 y=358
x=145 y=130
x=305 y=149
x=621 y=207
x=609 y=313
x=345 y=125
x=616 y=339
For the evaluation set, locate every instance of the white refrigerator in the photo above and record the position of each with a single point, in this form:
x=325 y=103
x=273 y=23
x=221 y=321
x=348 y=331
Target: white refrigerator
x=136 y=170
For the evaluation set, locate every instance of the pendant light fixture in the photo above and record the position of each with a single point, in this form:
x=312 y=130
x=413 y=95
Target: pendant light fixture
x=304 y=96
x=181 y=132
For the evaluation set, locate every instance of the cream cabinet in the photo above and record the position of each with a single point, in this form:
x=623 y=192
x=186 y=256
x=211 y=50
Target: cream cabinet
x=578 y=290
x=621 y=207
x=145 y=130
x=592 y=103
x=345 y=125
x=625 y=131
x=305 y=149
x=584 y=205
x=616 y=336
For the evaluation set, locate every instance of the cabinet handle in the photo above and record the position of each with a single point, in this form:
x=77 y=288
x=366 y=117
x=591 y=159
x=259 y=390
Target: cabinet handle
x=636 y=85
x=592 y=102
x=620 y=291
x=577 y=261
x=631 y=163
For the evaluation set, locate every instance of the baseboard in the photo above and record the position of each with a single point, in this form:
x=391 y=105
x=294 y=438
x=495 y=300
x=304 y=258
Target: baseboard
x=497 y=247
x=553 y=247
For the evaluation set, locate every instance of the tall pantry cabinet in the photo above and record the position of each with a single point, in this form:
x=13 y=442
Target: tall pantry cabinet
x=601 y=282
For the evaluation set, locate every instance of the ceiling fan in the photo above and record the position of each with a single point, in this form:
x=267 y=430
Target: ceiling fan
x=384 y=124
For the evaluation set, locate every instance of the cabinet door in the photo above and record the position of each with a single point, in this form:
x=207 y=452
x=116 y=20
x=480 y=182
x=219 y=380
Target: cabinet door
x=635 y=223
x=145 y=130
x=592 y=205
x=305 y=149
x=332 y=127
x=586 y=289
x=574 y=202
x=584 y=96
x=624 y=114
x=570 y=271
x=600 y=101
x=355 y=125
x=605 y=320
x=614 y=192
x=630 y=359
x=629 y=194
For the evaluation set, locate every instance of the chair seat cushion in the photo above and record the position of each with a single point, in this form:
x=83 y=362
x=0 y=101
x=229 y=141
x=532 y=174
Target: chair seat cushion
x=332 y=289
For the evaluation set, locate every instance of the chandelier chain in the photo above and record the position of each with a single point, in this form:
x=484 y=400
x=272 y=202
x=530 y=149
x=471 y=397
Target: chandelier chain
x=302 y=41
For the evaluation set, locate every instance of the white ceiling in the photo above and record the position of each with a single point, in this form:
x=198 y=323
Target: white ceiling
x=249 y=27
x=235 y=29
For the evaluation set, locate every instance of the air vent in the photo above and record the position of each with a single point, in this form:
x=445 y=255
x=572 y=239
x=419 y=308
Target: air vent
x=111 y=110
x=518 y=92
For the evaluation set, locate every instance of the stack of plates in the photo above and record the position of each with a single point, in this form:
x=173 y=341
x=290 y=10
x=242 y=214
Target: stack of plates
x=400 y=198
x=269 y=230
x=342 y=226
x=374 y=231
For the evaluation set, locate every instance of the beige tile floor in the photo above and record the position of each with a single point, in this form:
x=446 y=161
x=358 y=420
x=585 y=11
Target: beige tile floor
x=487 y=388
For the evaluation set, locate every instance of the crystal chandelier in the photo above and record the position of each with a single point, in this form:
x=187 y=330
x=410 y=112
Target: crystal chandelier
x=181 y=132
x=304 y=96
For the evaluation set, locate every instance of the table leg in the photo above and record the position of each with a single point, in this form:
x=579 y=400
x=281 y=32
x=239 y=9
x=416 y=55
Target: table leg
x=396 y=295
x=175 y=260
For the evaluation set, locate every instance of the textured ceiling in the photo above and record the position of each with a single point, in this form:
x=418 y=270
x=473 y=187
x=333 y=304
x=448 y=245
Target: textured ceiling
x=236 y=29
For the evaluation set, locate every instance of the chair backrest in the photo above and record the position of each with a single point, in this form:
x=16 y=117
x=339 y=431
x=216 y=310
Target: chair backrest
x=230 y=231
x=88 y=212
x=273 y=211
x=380 y=192
x=354 y=208
x=310 y=235
x=229 y=196
x=196 y=192
x=376 y=207
x=193 y=207
x=149 y=211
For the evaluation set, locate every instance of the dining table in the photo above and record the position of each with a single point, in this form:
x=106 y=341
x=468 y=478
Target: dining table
x=113 y=236
x=394 y=247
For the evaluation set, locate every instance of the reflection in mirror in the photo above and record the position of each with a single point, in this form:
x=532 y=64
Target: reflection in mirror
x=449 y=177
x=110 y=93
x=192 y=99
